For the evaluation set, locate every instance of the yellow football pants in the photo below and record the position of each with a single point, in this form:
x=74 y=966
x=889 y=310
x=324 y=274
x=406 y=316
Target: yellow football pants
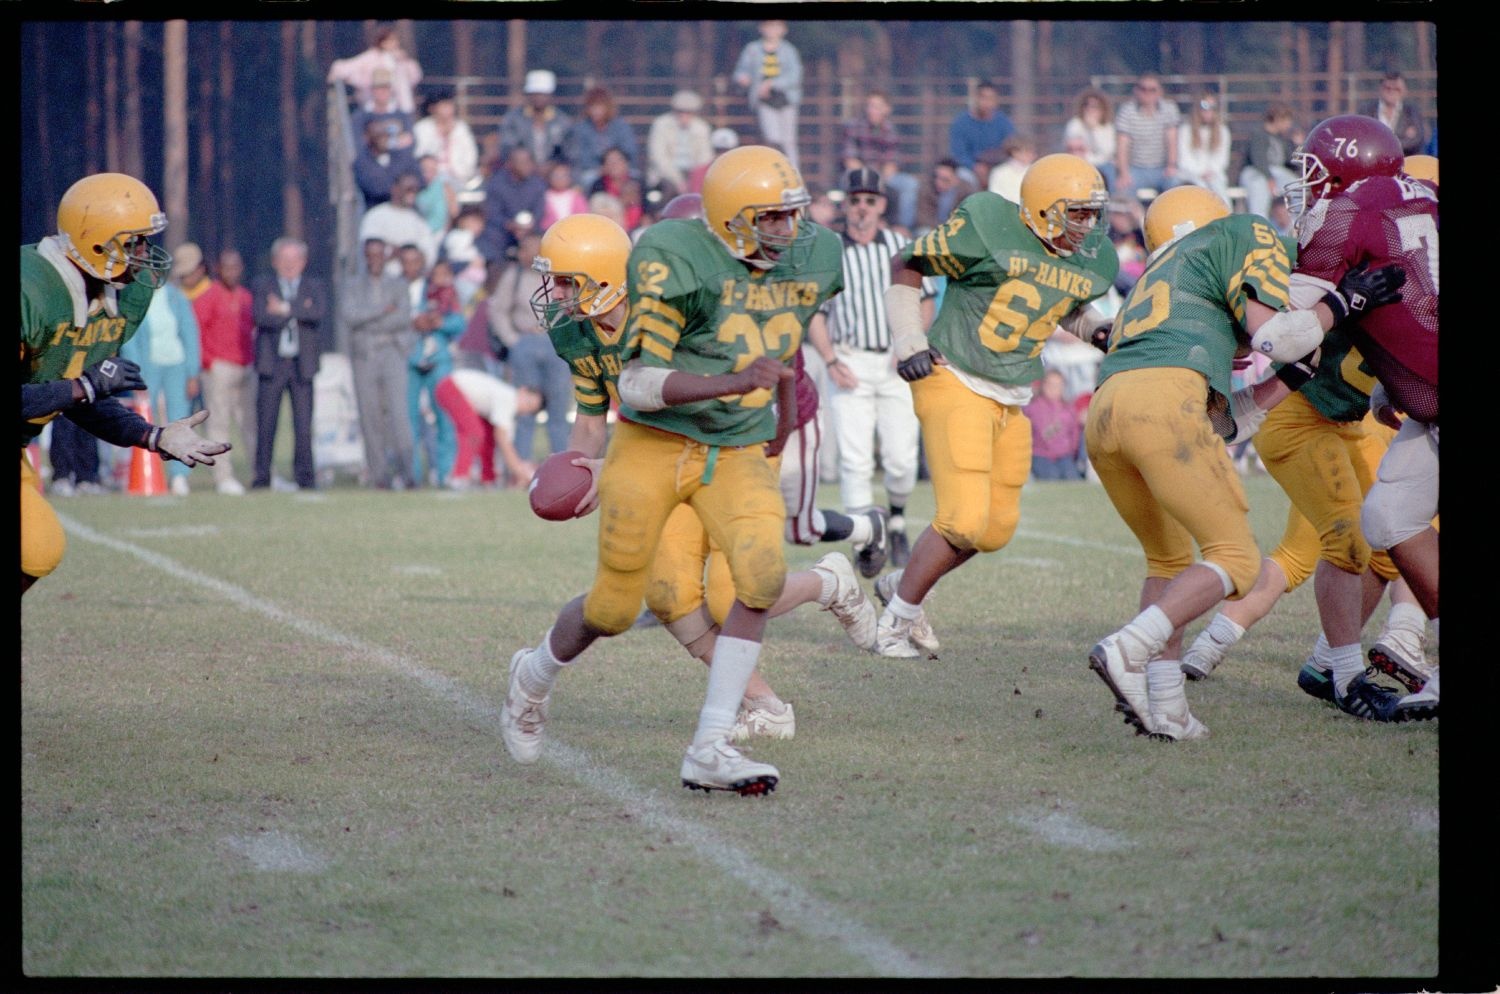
x=979 y=456
x=1169 y=474
x=42 y=537
x=647 y=475
x=1326 y=468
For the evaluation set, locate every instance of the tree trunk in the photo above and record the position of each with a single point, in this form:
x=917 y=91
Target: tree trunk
x=463 y=48
x=206 y=162
x=43 y=115
x=1023 y=72
x=174 y=182
x=224 y=198
x=1336 y=32
x=515 y=55
x=291 y=166
x=1305 y=69
x=93 y=114
x=130 y=125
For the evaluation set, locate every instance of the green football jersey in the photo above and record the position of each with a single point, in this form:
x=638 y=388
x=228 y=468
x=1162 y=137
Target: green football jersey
x=594 y=359
x=52 y=346
x=1006 y=289
x=696 y=308
x=1188 y=307
x=1341 y=390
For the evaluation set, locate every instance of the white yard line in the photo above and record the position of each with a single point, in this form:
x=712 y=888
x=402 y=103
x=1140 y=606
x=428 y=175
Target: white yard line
x=790 y=904
x=1082 y=543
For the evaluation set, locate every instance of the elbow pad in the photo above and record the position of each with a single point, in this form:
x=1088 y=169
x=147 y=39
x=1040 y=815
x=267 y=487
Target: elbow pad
x=1289 y=335
x=903 y=308
x=641 y=386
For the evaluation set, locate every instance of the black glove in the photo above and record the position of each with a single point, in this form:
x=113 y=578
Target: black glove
x=112 y=376
x=915 y=366
x=1362 y=290
x=1099 y=338
x=1296 y=374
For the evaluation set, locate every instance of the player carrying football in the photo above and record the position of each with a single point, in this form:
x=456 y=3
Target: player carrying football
x=716 y=313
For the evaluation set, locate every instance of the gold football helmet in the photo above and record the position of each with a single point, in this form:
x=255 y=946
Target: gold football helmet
x=103 y=223
x=582 y=262
x=753 y=200
x=1180 y=210
x=1062 y=199
x=1421 y=167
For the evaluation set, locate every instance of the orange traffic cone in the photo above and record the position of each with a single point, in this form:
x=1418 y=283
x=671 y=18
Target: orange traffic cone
x=148 y=477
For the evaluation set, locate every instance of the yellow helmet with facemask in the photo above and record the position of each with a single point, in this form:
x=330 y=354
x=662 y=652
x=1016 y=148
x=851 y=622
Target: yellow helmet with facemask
x=589 y=251
x=1063 y=198
x=741 y=186
x=104 y=222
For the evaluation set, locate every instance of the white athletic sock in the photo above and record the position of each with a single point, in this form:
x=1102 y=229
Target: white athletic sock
x=1407 y=618
x=1147 y=633
x=734 y=661
x=539 y=668
x=1347 y=662
x=1164 y=680
x=863 y=530
x=901 y=609
x=829 y=583
x=1321 y=651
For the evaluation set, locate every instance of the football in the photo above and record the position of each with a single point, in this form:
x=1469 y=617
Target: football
x=558 y=486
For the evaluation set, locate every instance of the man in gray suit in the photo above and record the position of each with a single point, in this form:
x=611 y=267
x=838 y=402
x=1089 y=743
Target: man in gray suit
x=377 y=311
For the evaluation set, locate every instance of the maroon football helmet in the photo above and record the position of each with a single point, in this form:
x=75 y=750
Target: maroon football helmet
x=1339 y=152
x=684 y=205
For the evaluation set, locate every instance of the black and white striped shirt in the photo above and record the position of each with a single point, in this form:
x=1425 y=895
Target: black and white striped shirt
x=856 y=317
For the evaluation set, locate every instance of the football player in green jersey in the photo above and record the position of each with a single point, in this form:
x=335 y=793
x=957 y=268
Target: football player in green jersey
x=1216 y=284
x=716 y=314
x=84 y=292
x=1014 y=276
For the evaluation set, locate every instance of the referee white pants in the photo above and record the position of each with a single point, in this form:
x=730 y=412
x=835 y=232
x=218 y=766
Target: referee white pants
x=880 y=406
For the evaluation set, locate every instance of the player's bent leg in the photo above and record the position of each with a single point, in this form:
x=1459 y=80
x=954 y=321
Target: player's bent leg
x=43 y=540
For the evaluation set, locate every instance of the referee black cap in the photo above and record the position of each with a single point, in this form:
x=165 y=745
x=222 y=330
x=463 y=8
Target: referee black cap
x=863 y=180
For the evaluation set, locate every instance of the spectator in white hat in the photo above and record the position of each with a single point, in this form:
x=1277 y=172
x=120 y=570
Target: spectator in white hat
x=536 y=123
x=678 y=143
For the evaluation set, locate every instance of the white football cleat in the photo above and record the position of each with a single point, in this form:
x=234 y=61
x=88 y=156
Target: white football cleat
x=1399 y=655
x=523 y=718
x=1422 y=705
x=1171 y=721
x=849 y=603
x=764 y=722
x=718 y=765
x=1202 y=657
x=1126 y=679
x=921 y=634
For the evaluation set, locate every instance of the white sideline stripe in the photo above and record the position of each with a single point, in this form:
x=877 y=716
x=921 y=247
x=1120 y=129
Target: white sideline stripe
x=1064 y=830
x=416 y=569
x=791 y=904
x=174 y=531
x=276 y=851
x=1082 y=543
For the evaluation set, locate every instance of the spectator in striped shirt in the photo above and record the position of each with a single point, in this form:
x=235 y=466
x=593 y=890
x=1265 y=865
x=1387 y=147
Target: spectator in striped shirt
x=868 y=399
x=1146 y=139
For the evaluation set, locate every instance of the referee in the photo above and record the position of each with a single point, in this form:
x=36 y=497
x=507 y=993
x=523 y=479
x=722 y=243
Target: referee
x=851 y=334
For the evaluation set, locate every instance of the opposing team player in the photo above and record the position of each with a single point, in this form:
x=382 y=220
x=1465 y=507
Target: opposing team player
x=716 y=313
x=1158 y=422
x=1354 y=207
x=1013 y=277
x=84 y=292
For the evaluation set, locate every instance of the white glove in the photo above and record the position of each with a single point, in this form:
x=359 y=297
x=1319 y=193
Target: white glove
x=903 y=308
x=179 y=441
x=1246 y=413
x=1289 y=335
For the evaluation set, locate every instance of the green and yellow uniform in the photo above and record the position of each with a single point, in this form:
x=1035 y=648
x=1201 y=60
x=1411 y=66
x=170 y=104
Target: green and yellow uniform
x=698 y=309
x=1323 y=447
x=62 y=334
x=1157 y=423
x=1006 y=292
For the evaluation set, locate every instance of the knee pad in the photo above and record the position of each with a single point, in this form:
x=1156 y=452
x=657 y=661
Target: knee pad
x=611 y=608
x=1237 y=568
x=1383 y=520
x=42 y=537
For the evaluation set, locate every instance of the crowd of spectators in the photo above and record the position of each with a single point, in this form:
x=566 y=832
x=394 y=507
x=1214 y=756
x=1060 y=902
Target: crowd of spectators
x=452 y=221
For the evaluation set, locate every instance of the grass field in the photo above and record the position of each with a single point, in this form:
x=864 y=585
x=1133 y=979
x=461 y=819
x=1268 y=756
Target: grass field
x=259 y=739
